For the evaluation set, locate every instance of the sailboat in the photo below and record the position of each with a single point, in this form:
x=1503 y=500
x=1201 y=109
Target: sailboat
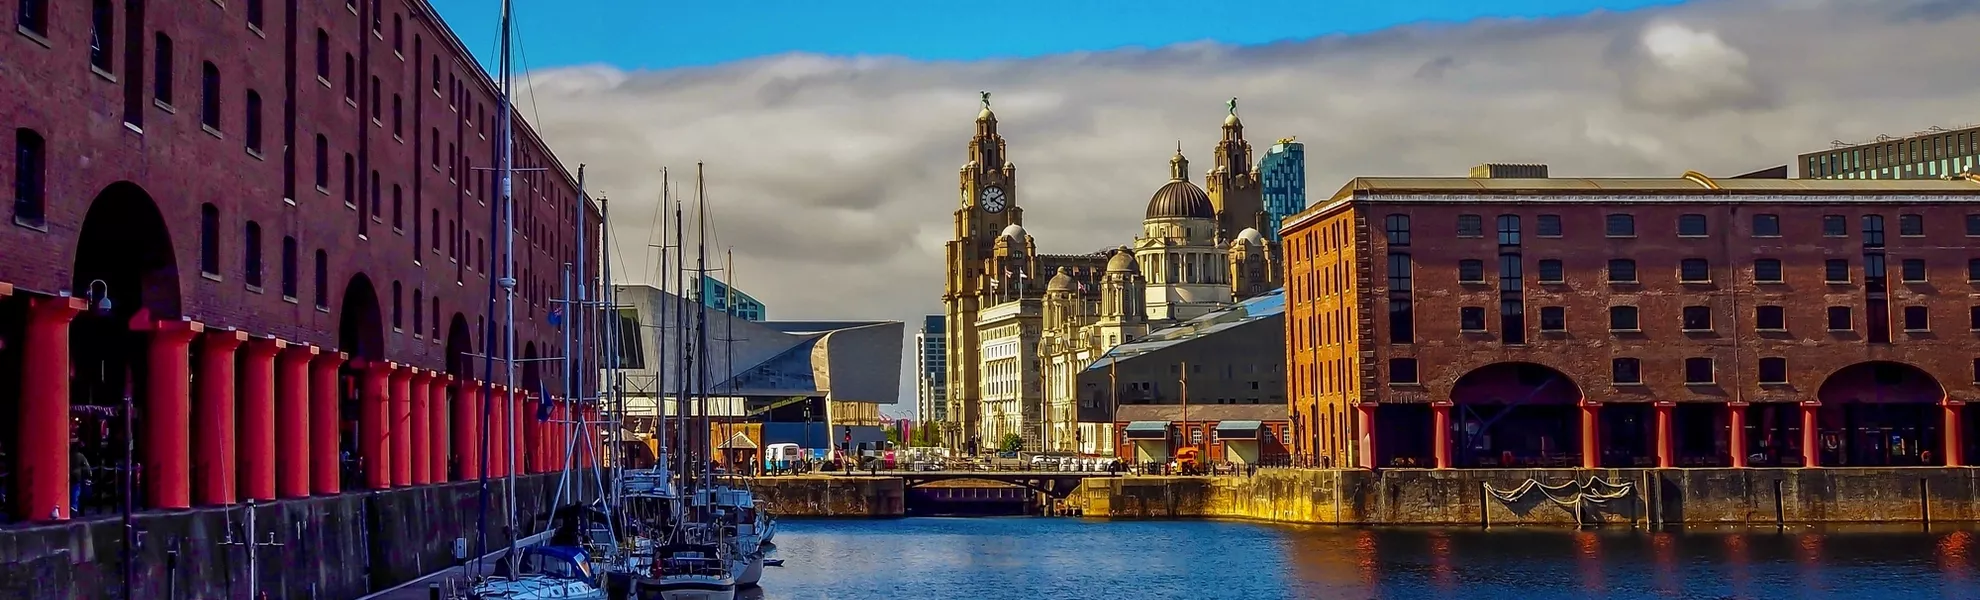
x=562 y=571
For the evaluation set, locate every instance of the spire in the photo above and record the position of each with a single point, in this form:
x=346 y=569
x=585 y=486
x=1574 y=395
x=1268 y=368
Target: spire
x=1178 y=166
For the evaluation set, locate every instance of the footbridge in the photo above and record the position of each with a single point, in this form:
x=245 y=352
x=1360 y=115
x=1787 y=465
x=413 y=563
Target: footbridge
x=1057 y=484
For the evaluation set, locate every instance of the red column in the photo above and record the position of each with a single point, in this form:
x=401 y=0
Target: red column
x=498 y=432
x=467 y=428
x=215 y=458
x=292 y=443
x=1736 y=438
x=400 y=429
x=1955 y=439
x=1440 y=438
x=439 y=440
x=591 y=440
x=374 y=426
x=422 y=464
x=326 y=474
x=42 y=460
x=257 y=425
x=1666 y=450
x=168 y=415
x=531 y=451
x=1366 y=412
x=1811 y=450
x=1591 y=435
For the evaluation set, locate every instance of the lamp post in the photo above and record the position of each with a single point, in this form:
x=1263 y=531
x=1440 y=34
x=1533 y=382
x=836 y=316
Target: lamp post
x=98 y=296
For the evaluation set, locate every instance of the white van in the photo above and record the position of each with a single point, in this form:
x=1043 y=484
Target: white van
x=781 y=457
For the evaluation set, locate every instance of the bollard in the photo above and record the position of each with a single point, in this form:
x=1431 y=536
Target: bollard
x=433 y=591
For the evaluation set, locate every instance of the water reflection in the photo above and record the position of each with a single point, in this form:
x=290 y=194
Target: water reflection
x=1033 y=558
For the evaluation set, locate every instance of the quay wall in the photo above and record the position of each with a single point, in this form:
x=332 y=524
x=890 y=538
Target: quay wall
x=1459 y=497
x=832 y=496
x=330 y=548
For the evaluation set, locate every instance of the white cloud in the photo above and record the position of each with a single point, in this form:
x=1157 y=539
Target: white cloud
x=834 y=179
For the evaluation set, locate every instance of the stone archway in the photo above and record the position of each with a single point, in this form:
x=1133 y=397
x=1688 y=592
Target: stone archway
x=1521 y=413
x=460 y=344
x=125 y=267
x=361 y=334
x=1880 y=413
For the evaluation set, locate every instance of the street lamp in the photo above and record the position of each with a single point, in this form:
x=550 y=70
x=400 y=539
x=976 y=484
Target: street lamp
x=99 y=302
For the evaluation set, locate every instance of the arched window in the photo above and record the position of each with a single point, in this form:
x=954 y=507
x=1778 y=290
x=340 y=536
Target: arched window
x=377 y=200
x=398 y=34
x=251 y=249
x=253 y=132
x=398 y=314
x=289 y=267
x=419 y=312
x=350 y=180
x=256 y=13
x=161 y=78
x=30 y=176
x=323 y=56
x=350 y=77
x=209 y=95
x=398 y=210
x=209 y=239
x=322 y=279
x=377 y=107
x=322 y=163
x=434 y=316
x=102 y=33
x=398 y=116
x=33 y=16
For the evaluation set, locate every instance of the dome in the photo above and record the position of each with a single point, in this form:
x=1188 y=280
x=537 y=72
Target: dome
x=1251 y=236
x=986 y=115
x=1014 y=231
x=1062 y=282
x=1180 y=199
x=1231 y=121
x=1122 y=262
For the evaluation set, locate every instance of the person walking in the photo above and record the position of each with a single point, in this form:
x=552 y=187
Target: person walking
x=79 y=472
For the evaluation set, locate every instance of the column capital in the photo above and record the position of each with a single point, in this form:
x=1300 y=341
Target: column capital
x=223 y=339
x=1661 y=404
x=6 y=289
x=1739 y=404
x=57 y=308
x=1952 y=403
x=299 y=352
x=1811 y=402
x=1586 y=403
x=1442 y=404
x=178 y=330
x=265 y=346
x=1367 y=405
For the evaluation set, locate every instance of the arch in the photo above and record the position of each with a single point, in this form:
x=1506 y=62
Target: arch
x=1515 y=383
x=1880 y=413
x=532 y=374
x=360 y=326
x=126 y=245
x=460 y=342
x=1521 y=413
x=1880 y=382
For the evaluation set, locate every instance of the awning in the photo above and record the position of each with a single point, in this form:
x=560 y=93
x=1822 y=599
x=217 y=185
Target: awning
x=738 y=442
x=1239 y=430
x=1148 y=430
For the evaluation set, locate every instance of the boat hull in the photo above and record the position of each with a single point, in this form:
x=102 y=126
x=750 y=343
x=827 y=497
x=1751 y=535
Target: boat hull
x=685 y=589
x=749 y=570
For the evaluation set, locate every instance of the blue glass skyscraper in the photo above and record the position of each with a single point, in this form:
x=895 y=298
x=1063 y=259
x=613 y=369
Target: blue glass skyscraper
x=1282 y=177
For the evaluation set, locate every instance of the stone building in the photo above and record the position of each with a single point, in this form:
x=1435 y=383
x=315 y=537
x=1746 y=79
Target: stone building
x=1685 y=321
x=1199 y=250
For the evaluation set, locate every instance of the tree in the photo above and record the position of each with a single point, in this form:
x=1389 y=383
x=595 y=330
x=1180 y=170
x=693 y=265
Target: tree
x=894 y=436
x=1011 y=443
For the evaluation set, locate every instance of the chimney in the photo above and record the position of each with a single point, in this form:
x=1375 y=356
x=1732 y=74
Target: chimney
x=1508 y=171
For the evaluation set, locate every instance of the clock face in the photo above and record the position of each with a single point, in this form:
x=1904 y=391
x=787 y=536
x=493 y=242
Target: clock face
x=993 y=199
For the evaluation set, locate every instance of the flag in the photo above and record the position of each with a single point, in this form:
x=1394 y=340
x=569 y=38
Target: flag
x=1021 y=275
x=557 y=316
x=543 y=407
x=994 y=284
x=1082 y=286
x=1007 y=273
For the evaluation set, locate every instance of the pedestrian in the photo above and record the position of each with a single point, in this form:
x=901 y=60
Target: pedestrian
x=78 y=475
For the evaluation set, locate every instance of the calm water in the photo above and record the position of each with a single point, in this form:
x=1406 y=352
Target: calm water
x=1042 y=558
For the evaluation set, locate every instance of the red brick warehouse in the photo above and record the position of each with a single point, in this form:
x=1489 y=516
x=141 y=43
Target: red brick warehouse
x=1535 y=322
x=268 y=223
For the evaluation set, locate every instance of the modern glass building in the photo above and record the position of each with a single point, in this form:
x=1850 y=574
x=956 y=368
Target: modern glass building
x=932 y=377
x=1933 y=154
x=720 y=296
x=1282 y=177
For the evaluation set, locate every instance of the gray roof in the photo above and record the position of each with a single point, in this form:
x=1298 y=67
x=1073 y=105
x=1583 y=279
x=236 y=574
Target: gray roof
x=1251 y=309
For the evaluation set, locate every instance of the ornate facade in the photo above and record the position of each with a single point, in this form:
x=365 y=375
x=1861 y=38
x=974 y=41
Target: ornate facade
x=1015 y=347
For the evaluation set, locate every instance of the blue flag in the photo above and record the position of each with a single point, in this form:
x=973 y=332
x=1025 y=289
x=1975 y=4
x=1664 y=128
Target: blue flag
x=557 y=317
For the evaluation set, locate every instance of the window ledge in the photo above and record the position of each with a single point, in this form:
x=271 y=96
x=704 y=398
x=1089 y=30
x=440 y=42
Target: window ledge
x=1850 y=330
x=256 y=31
x=40 y=225
x=1627 y=383
x=32 y=36
x=212 y=132
x=1621 y=237
x=1687 y=330
x=211 y=276
x=1768 y=236
x=1692 y=236
x=134 y=127
x=1771 y=330
x=106 y=75
x=289 y=299
x=289 y=201
x=1914 y=282
x=1836 y=282
x=257 y=156
x=323 y=80
x=1614 y=330
x=1700 y=383
x=254 y=288
x=1630 y=282
x=323 y=309
x=1694 y=282
x=351 y=101
x=164 y=106
x=1918 y=331
x=377 y=123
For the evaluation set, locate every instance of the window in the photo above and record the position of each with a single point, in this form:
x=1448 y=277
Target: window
x=1620 y=225
x=435 y=236
x=1692 y=225
x=209 y=95
x=350 y=77
x=1625 y=371
x=1973 y=269
x=419 y=312
x=377 y=18
x=1622 y=270
x=1511 y=276
x=377 y=199
x=1471 y=270
x=1773 y=370
x=1402 y=370
x=1549 y=226
x=323 y=56
x=1470 y=226
x=436 y=74
x=398 y=34
x=398 y=116
x=256 y=12
x=350 y=180
x=1509 y=230
x=30 y=176
x=322 y=280
x=1973 y=225
x=1698 y=371
x=1835 y=226
x=251 y=262
x=1553 y=318
x=1697 y=318
x=1913 y=270
x=161 y=85
x=253 y=131
x=1400 y=279
x=1396 y=227
x=1767 y=270
x=1623 y=318
x=1769 y=318
x=1911 y=225
x=289 y=282
x=1835 y=270
x=209 y=239
x=1765 y=225
x=322 y=162
x=33 y=16
x=102 y=29
x=1839 y=319
x=1471 y=318
x=377 y=106
x=398 y=208
x=1973 y=318
x=1550 y=271
x=398 y=308
x=1916 y=318
x=434 y=317
x=435 y=145
x=1873 y=231
x=1694 y=270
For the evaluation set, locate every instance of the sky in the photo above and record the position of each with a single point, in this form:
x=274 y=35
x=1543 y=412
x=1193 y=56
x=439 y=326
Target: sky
x=831 y=140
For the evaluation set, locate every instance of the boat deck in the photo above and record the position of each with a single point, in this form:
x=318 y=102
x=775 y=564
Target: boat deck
x=452 y=580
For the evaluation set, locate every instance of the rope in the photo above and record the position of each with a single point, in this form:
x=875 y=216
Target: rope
x=1596 y=491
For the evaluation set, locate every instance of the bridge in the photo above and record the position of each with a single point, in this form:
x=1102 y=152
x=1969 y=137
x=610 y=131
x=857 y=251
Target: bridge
x=1056 y=484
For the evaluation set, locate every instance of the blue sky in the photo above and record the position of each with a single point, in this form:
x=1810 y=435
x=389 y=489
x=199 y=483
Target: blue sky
x=660 y=34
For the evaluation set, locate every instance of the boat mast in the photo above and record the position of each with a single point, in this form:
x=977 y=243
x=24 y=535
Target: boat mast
x=508 y=279
x=574 y=310
x=701 y=312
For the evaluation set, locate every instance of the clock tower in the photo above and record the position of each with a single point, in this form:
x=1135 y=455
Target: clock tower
x=988 y=186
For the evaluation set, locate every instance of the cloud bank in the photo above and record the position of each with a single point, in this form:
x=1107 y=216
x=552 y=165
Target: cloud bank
x=834 y=179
